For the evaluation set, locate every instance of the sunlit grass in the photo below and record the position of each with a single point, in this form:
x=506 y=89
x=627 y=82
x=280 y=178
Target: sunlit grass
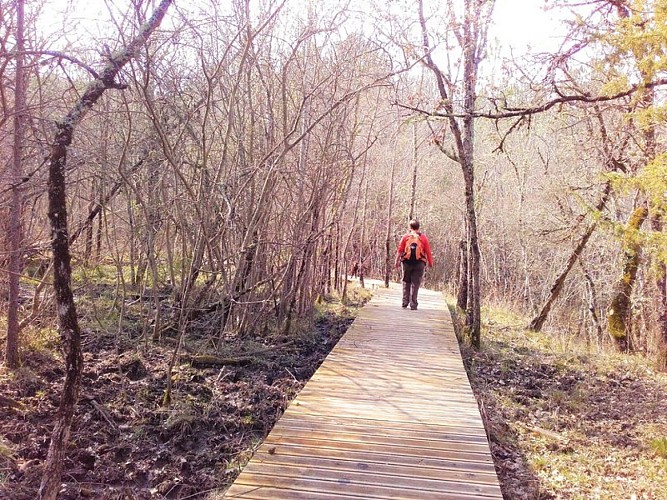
x=33 y=338
x=659 y=446
x=594 y=470
x=577 y=420
x=102 y=274
x=6 y=451
x=492 y=315
x=109 y=273
x=332 y=303
x=40 y=339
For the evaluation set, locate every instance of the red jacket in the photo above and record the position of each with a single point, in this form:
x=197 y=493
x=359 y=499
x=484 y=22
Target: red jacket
x=427 y=247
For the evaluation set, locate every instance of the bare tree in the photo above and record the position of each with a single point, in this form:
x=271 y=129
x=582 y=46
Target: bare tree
x=538 y=321
x=15 y=229
x=470 y=33
x=389 y=260
x=67 y=316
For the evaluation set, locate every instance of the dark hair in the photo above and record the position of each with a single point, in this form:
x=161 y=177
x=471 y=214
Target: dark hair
x=414 y=224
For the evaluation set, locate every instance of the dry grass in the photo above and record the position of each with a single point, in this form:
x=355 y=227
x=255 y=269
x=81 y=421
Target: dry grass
x=566 y=423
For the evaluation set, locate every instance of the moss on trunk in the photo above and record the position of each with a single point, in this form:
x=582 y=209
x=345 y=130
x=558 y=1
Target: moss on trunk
x=619 y=311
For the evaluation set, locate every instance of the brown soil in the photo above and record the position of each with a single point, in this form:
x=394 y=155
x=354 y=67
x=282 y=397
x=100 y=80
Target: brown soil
x=561 y=424
x=124 y=444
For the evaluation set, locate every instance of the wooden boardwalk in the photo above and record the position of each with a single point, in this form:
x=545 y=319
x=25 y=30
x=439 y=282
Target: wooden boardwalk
x=389 y=415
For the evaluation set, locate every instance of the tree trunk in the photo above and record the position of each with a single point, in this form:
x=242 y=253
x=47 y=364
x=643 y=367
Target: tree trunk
x=659 y=267
x=538 y=321
x=592 y=302
x=413 y=193
x=661 y=302
x=470 y=33
x=338 y=258
x=361 y=256
x=462 y=294
x=389 y=257
x=70 y=333
x=467 y=155
x=648 y=102
x=662 y=318
x=473 y=306
x=15 y=230
x=96 y=210
x=619 y=311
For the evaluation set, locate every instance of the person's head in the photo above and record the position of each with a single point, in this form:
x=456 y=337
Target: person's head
x=414 y=225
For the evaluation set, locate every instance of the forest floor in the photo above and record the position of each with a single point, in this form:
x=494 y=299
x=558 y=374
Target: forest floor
x=567 y=421
x=124 y=443
x=563 y=421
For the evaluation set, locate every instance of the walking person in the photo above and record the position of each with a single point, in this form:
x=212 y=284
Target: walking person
x=414 y=252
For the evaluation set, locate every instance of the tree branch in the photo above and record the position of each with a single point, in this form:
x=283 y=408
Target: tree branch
x=55 y=54
x=562 y=99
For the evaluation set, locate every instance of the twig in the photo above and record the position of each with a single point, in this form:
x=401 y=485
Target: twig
x=104 y=412
x=295 y=379
x=544 y=432
x=212 y=360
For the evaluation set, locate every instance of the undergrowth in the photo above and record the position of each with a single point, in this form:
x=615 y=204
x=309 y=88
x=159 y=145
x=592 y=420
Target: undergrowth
x=565 y=422
x=226 y=396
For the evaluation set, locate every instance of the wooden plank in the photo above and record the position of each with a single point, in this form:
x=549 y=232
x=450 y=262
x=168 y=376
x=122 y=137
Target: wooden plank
x=348 y=426
x=327 y=465
x=285 y=434
x=372 y=456
x=384 y=412
x=400 y=490
x=388 y=448
x=389 y=415
x=450 y=481
x=453 y=426
x=447 y=430
x=378 y=466
x=250 y=492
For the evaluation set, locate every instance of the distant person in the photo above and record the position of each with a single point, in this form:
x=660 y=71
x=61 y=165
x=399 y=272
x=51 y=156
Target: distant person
x=414 y=252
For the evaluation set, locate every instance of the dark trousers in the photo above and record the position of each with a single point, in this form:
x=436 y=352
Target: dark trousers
x=413 y=272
